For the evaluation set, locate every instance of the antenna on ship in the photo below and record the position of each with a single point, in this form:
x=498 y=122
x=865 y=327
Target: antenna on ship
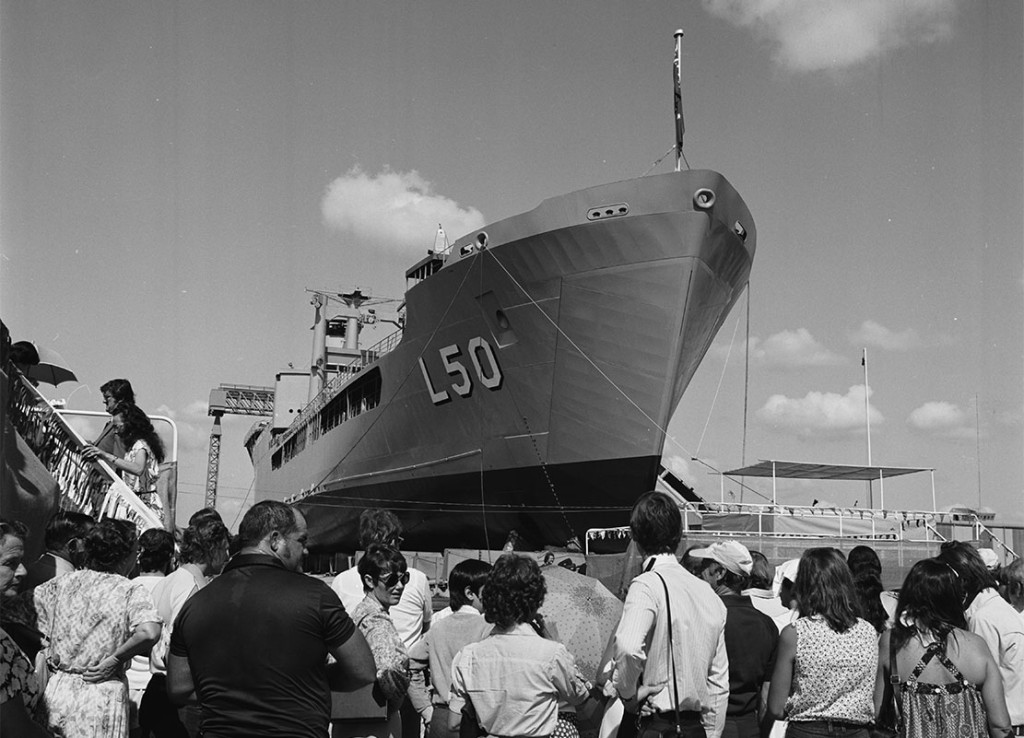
x=678 y=85
x=442 y=239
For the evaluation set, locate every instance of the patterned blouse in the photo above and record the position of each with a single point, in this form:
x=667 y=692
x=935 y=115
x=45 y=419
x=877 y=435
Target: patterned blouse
x=833 y=673
x=17 y=675
x=88 y=614
x=389 y=654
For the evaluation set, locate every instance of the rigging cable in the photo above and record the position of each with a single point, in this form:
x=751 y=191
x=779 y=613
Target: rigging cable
x=721 y=377
x=746 y=386
x=608 y=379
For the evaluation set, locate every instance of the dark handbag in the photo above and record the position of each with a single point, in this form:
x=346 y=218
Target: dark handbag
x=469 y=727
x=890 y=718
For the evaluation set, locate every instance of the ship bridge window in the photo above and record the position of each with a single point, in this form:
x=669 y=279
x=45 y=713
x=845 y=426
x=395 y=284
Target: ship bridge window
x=360 y=396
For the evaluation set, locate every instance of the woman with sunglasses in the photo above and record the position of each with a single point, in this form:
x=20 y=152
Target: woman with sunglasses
x=384 y=573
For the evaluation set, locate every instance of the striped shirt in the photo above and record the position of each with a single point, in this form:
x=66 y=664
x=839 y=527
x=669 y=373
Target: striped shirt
x=698 y=638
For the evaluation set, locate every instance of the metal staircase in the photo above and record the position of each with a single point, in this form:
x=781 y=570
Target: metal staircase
x=87 y=487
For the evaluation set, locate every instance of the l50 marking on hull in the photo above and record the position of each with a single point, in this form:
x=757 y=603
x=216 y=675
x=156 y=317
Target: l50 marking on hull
x=491 y=379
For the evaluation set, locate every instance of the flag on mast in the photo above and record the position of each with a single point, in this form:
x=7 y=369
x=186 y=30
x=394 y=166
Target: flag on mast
x=678 y=88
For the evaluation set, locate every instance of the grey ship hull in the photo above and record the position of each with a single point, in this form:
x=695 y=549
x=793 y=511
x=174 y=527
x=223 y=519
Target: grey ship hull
x=535 y=376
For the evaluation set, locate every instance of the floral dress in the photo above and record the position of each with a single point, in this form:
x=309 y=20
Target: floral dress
x=144 y=486
x=87 y=615
x=17 y=676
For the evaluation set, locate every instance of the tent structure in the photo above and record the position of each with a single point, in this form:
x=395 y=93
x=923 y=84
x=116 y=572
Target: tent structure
x=802 y=470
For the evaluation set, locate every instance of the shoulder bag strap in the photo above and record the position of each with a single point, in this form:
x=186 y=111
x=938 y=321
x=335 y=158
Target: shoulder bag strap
x=894 y=680
x=671 y=657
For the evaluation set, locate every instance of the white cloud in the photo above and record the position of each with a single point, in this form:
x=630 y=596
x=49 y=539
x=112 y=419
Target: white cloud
x=680 y=467
x=792 y=349
x=873 y=334
x=398 y=211
x=816 y=35
x=193 y=426
x=818 y=413
x=942 y=419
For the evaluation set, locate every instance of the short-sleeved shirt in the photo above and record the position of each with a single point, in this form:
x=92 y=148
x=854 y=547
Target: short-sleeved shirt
x=833 y=673
x=515 y=681
x=751 y=640
x=256 y=639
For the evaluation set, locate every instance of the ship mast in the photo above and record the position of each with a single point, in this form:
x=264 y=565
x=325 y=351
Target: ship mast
x=678 y=86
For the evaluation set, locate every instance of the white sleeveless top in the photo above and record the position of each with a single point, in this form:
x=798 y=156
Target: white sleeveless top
x=833 y=673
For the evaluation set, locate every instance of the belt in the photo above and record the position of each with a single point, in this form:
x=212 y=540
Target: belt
x=829 y=723
x=670 y=716
x=1018 y=729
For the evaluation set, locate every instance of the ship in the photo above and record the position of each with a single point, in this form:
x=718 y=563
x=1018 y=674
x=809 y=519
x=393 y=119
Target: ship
x=528 y=386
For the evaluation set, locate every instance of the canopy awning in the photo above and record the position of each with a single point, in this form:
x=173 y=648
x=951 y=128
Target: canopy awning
x=832 y=472
x=802 y=470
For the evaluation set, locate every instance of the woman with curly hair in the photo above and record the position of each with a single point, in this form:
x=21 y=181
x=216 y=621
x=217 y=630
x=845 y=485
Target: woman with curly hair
x=140 y=466
x=949 y=683
x=824 y=677
x=514 y=679
x=385 y=573
x=97 y=620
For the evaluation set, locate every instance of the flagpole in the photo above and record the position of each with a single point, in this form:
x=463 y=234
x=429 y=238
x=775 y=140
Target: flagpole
x=678 y=94
x=867 y=421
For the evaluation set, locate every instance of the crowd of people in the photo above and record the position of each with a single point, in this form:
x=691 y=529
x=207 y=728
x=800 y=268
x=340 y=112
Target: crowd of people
x=204 y=634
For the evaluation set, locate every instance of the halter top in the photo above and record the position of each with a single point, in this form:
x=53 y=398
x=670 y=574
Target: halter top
x=940 y=710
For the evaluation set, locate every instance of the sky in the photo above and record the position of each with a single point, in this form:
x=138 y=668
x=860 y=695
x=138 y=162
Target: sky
x=175 y=175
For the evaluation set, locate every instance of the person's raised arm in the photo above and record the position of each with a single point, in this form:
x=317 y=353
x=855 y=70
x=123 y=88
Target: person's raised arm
x=782 y=677
x=110 y=667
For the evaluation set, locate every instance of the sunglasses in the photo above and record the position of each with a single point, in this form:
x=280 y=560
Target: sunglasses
x=394 y=578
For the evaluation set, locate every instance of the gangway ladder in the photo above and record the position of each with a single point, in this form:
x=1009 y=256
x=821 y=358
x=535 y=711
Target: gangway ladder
x=231 y=399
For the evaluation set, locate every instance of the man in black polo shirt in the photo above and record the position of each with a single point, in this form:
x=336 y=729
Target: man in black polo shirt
x=751 y=638
x=252 y=645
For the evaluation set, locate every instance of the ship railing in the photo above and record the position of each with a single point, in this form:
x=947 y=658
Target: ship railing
x=335 y=384
x=983 y=532
x=849 y=522
x=88 y=487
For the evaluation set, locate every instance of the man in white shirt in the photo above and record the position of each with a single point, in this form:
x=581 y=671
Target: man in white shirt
x=695 y=683
x=412 y=614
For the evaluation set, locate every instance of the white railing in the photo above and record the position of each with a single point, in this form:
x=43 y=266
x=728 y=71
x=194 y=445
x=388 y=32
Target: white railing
x=85 y=486
x=849 y=523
